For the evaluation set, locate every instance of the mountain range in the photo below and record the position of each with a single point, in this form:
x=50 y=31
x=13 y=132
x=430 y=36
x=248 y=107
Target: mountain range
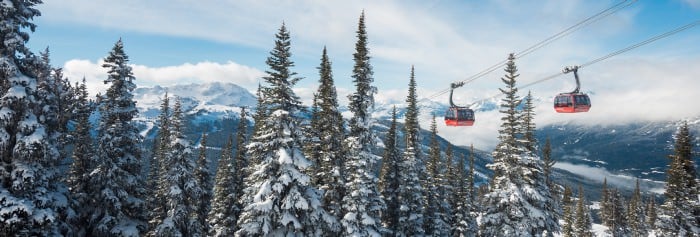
x=585 y=154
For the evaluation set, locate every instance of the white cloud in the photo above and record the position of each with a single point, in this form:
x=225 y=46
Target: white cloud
x=446 y=41
x=615 y=180
x=201 y=72
x=693 y=3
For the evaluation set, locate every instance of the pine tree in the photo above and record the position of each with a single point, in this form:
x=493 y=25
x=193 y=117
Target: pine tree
x=651 y=212
x=679 y=215
x=568 y=216
x=528 y=128
x=411 y=190
x=548 y=162
x=389 y=181
x=178 y=179
x=583 y=224
x=204 y=178
x=471 y=178
x=240 y=165
x=362 y=204
x=618 y=224
x=280 y=199
x=519 y=202
x=635 y=213
x=118 y=199
x=33 y=200
x=435 y=216
x=330 y=175
x=605 y=207
x=222 y=217
x=464 y=223
x=156 y=192
x=83 y=153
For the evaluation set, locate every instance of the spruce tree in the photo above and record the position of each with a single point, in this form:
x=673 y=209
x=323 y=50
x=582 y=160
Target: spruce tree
x=617 y=223
x=605 y=207
x=389 y=181
x=583 y=225
x=222 y=217
x=464 y=223
x=118 y=199
x=568 y=213
x=519 y=202
x=156 y=192
x=280 y=199
x=635 y=213
x=204 y=178
x=411 y=190
x=241 y=162
x=679 y=215
x=436 y=223
x=548 y=162
x=363 y=203
x=178 y=179
x=328 y=127
x=83 y=152
x=528 y=128
x=651 y=212
x=32 y=198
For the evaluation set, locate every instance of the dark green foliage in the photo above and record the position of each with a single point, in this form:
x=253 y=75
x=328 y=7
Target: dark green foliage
x=411 y=220
x=389 y=180
x=82 y=159
x=204 y=177
x=326 y=141
x=156 y=199
x=680 y=212
x=119 y=191
x=568 y=214
x=583 y=224
x=222 y=217
x=528 y=125
x=636 y=213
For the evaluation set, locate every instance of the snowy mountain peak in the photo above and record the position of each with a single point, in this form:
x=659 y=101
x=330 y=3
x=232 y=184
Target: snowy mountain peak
x=215 y=99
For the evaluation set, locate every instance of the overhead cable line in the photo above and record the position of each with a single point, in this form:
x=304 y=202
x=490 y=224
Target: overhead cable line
x=631 y=47
x=585 y=22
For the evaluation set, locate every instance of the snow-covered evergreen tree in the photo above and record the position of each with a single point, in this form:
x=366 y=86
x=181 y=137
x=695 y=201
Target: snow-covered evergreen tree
x=436 y=218
x=411 y=189
x=117 y=201
x=223 y=214
x=567 y=229
x=519 y=202
x=464 y=223
x=651 y=212
x=240 y=163
x=78 y=176
x=204 y=178
x=679 y=215
x=528 y=126
x=617 y=223
x=33 y=200
x=389 y=181
x=179 y=182
x=156 y=192
x=362 y=204
x=282 y=201
x=636 y=213
x=328 y=127
x=583 y=225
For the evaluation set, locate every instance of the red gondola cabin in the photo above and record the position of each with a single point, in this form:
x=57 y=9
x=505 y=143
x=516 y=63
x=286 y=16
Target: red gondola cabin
x=459 y=116
x=572 y=103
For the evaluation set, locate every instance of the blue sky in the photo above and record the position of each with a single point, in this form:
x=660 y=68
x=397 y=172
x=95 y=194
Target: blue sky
x=185 y=41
